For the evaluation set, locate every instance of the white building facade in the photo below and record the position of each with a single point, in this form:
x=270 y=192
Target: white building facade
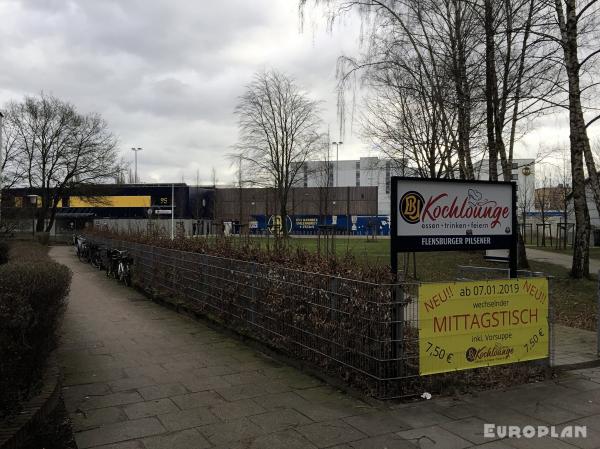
x=366 y=171
x=376 y=172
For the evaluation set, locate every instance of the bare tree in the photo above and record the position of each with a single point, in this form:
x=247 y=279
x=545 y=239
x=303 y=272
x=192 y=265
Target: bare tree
x=572 y=28
x=11 y=171
x=278 y=126
x=59 y=149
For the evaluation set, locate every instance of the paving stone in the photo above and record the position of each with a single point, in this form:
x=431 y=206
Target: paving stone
x=186 y=439
x=326 y=412
x=328 y=433
x=150 y=408
x=583 y=404
x=187 y=419
x=538 y=443
x=434 y=437
x=231 y=431
x=593 y=422
x=217 y=370
x=200 y=399
x=288 y=399
x=195 y=384
x=162 y=391
x=591 y=441
x=580 y=384
x=114 y=433
x=233 y=410
x=131 y=383
x=93 y=376
x=95 y=418
x=287 y=439
x=110 y=400
x=377 y=423
x=548 y=413
x=238 y=392
x=248 y=377
x=390 y=441
x=498 y=444
x=80 y=391
x=131 y=444
x=280 y=420
x=421 y=415
x=470 y=429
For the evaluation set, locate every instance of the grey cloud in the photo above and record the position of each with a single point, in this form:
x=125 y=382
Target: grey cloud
x=165 y=74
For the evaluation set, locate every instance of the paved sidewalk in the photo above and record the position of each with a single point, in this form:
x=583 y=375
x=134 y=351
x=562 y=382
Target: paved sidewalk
x=564 y=260
x=138 y=375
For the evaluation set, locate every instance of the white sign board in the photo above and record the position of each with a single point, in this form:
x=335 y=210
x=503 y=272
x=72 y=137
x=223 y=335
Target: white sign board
x=440 y=215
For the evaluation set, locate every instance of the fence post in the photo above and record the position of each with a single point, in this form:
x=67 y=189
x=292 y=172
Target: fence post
x=598 y=319
x=398 y=329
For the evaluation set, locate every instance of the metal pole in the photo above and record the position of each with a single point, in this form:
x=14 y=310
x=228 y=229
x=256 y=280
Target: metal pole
x=172 y=211
x=135 y=176
x=598 y=320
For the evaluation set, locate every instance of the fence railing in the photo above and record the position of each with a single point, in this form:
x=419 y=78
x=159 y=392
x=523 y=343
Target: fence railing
x=363 y=333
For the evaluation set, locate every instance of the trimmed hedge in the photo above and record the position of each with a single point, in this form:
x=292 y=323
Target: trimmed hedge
x=32 y=298
x=3 y=252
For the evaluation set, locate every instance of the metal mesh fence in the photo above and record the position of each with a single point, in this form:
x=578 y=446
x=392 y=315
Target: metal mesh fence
x=365 y=334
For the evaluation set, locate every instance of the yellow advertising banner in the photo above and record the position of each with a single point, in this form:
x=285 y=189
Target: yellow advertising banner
x=464 y=325
x=110 y=201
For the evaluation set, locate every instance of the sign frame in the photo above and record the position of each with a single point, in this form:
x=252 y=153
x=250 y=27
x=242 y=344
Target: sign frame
x=397 y=247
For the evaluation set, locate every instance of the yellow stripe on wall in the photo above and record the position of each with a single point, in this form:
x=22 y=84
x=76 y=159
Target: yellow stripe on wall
x=110 y=201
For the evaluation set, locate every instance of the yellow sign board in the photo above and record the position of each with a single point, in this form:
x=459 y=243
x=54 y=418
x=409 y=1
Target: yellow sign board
x=464 y=325
x=110 y=201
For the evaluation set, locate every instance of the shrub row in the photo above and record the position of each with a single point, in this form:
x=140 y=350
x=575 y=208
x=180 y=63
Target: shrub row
x=33 y=292
x=278 y=253
x=3 y=252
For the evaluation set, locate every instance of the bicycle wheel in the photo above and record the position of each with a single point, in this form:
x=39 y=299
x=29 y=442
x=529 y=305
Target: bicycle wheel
x=127 y=276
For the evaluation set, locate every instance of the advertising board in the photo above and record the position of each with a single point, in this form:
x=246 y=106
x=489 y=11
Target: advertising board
x=464 y=325
x=447 y=215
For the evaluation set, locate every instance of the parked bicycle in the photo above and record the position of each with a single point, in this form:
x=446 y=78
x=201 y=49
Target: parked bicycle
x=119 y=265
x=82 y=248
x=95 y=256
x=124 y=272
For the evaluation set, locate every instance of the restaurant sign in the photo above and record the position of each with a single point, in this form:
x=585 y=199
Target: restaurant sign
x=447 y=215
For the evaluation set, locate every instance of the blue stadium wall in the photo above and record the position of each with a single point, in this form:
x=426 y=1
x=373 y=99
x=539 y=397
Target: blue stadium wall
x=308 y=224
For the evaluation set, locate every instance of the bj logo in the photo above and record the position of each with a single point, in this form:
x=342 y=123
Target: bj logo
x=411 y=205
x=471 y=354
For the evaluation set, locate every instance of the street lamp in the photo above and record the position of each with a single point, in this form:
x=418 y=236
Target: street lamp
x=33 y=202
x=337 y=162
x=135 y=150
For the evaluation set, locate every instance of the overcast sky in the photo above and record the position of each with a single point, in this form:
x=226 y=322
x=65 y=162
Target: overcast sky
x=166 y=74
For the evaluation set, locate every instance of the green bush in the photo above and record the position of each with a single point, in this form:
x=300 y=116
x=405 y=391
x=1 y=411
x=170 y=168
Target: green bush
x=3 y=252
x=32 y=298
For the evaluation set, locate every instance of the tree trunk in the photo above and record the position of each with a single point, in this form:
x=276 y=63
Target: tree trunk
x=522 y=261
x=578 y=137
x=489 y=86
